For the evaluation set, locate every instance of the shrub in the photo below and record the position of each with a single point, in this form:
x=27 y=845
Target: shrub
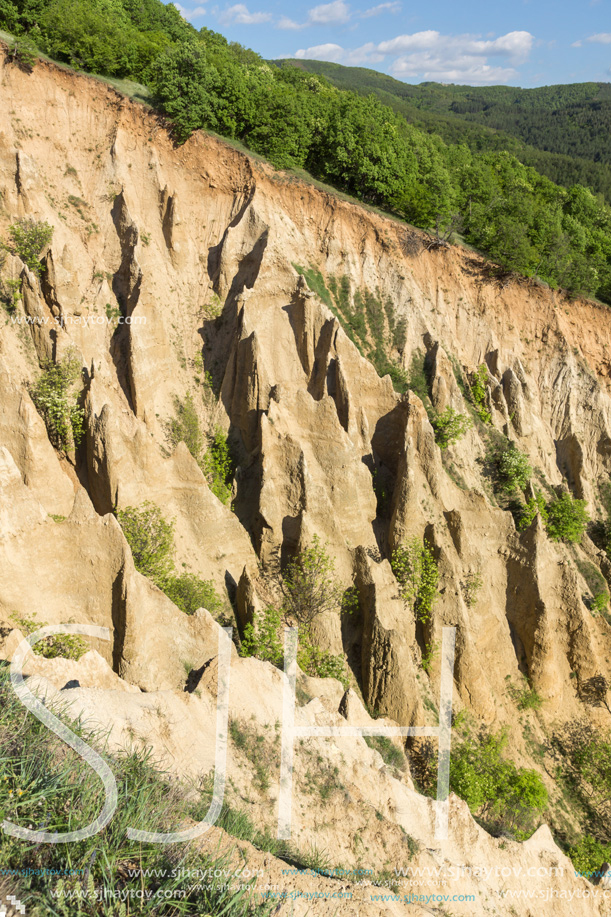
x=450 y=426
x=504 y=796
x=418 y=377
x=57 y=406
x=479 y=386
x=534 y=506
x=391 y=755
x=29 y=238
x=585 y=766
x=184 y=427
x=513 y=469
x=588 y=855
x=598 y=603
x=189 y=593
x=262 y=638
x=218 y=467
x=526 y=697
x=215 y=462
x=150 y=538
x=318 y=662
x=567 y=519
x=431 y=651
x=416 y=571
x=470 y=587
x=68 y=646
x=23 y=54
x=310 y=585
x=310 y=589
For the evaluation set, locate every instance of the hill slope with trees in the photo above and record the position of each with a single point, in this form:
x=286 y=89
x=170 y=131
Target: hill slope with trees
x=515 y=215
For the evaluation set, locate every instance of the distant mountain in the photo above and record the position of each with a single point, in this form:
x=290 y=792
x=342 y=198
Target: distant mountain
x=562 y=131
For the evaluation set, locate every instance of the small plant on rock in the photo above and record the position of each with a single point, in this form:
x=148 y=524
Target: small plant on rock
x=310 y=589
x=217 y=466
x=57 y=405
x=310 y=585
x=478 y=386
x=68 y=646
x=450 y=426
x=151 y=539
x=431 y=651
x=470 y=587
x=526 y=697
x=415 y=568
x=513 y=469
x=598 y=603
x=534 y=506
x=567 y=519
x=29 y=238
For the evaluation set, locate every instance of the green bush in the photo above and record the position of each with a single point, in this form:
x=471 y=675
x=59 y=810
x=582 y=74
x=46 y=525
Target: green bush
x=184 y=427
x=310 y=588
x=503 y=796
x=23 y=53
x=415 y=568
x=310 y=585
x=478 y=386
x=55 y=403
x=215 y=462
x=189 y=593
x=29 y=238
x=431 y=651
x=588 y=855
x=513 y=469
x=418 y=378
x=534 y=506
x=217 y=466
x=391 y=755
x=584 y=755
x=566 y=519
x=151 y=539
x=526 y=697
x=470 y=587
x=68 y=646
x=263 y=638
x=450 y=426
x=599 y=603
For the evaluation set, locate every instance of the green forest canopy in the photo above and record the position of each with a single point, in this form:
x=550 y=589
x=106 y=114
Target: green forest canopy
x=562 y=131
x=508 y=210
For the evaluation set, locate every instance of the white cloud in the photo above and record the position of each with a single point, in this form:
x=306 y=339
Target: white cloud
x=328 y=52
x=430 y=55
x=382 y=8
x=602 y=38
x=516 y=45
x=460 y=69
x=326 y=13
x=240 y=15
x=576 y=44
x=191 y=14
x=289 y=24
x=366 y=54
x=409 y=42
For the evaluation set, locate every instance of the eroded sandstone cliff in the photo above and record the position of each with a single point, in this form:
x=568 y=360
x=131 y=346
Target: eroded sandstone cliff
x=201 y=250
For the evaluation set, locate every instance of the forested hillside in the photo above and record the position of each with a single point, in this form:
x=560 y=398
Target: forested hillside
x=562 y=131
x=509 y=211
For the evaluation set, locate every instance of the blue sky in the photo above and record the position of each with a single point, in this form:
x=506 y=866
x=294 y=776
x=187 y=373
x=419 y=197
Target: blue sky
x=521 y=43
